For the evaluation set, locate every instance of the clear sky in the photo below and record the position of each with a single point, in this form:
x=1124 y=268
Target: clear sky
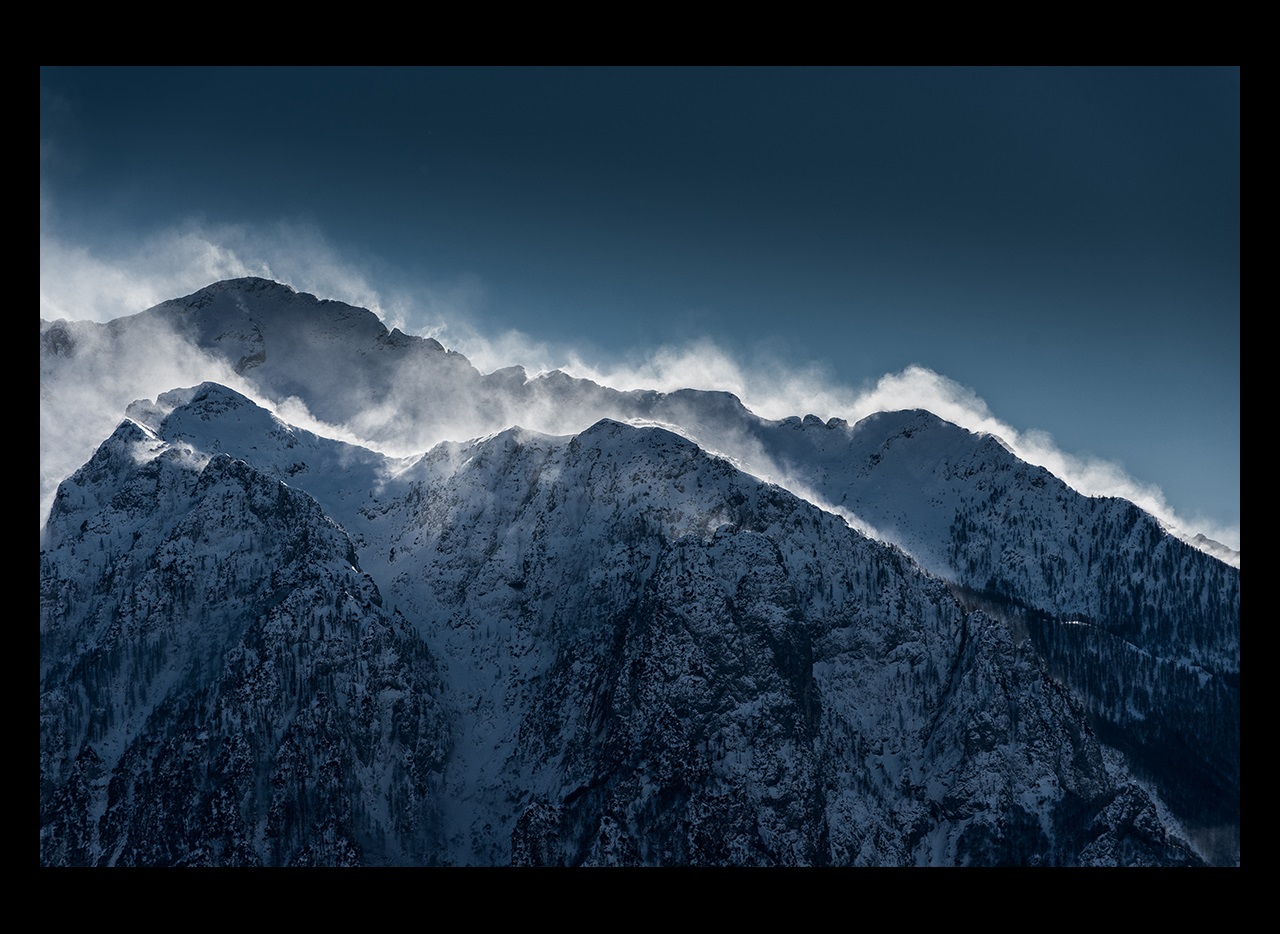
x=1062 y=245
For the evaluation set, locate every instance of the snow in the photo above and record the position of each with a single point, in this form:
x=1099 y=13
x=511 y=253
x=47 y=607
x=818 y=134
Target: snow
x=517 y=549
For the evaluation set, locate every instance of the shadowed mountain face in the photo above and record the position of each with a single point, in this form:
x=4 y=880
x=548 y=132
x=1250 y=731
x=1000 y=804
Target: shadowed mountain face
x=605 y=646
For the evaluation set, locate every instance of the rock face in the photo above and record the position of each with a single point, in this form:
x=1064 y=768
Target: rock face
x=1144 y=628
x=219 y=683
x=260 y=646
x=609 y=648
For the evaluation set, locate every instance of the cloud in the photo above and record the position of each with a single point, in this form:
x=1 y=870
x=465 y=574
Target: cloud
x=773 y=391
x=89 y=284
x=131 y=274
x=105 y=281
x=83 y=394
x=80 y=283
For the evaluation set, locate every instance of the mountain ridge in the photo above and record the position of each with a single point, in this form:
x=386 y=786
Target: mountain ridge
x=626 y=641
x=610 y=450
x=233 y=321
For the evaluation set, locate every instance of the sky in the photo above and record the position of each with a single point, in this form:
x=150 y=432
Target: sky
x=1055 y=251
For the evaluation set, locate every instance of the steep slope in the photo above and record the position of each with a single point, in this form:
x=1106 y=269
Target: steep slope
x=644 y=656
x=219 y=682
x=1143 y=627
x=502 y=535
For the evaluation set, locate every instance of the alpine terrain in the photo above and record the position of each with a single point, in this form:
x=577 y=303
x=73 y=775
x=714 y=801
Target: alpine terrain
x=495 y=619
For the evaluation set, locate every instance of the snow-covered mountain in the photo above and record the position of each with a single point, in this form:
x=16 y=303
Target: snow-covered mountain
x=608 y=643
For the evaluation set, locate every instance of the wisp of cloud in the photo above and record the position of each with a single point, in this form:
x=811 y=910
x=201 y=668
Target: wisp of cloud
x=80 y=284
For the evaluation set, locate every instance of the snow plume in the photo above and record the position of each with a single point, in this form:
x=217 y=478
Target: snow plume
x=90 y=378
x=88 y=284
x=84 y=284
x=773 y=391
x=697 y=365
x=918 y=387
x=98 y=283
x=768 y=387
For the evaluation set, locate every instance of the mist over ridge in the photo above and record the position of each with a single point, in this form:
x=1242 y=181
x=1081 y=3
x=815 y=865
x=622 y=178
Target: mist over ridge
x=512 y=379
x=1066 y=250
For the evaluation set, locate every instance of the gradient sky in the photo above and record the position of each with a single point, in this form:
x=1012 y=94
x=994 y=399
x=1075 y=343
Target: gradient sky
x=1063 y=242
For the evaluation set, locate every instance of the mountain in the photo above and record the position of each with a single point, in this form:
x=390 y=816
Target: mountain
x=605 y=645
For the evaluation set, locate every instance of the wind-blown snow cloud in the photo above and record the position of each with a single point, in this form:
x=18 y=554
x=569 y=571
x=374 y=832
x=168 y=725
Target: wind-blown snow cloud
x=86 y=285
x=79 y=283
x=775 y=390
x=83 y=397
x=129 y=274
x=919 y=387
x=771 y=391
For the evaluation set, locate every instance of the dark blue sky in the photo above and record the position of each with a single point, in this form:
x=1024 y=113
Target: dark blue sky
x=1063 y=242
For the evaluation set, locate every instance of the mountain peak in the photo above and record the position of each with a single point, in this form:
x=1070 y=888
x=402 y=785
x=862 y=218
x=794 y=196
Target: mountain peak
x=244 y=285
